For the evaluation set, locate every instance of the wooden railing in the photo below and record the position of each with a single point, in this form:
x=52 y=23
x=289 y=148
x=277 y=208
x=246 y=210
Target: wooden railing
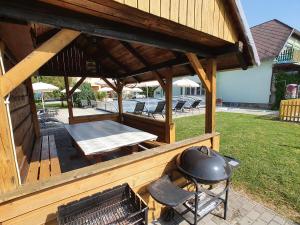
x=288 y=56
x=37 y=203
x=290 y=110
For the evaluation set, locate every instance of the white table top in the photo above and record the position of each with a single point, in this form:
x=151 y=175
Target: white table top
x=104 y=136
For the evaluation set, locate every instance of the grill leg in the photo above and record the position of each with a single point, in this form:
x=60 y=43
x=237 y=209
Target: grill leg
x=168 y=215
x=196 y=208
x=226 y=204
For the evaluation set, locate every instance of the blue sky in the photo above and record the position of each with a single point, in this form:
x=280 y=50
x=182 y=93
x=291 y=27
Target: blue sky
x=259 y=11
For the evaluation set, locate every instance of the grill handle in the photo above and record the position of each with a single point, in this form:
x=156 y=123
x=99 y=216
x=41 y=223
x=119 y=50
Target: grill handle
x=203 y=148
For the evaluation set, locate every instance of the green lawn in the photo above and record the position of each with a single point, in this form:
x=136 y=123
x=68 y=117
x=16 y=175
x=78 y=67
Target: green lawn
x=269 y=151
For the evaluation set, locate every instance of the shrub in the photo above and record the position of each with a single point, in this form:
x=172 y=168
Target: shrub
x=282 y=79
x=86 y=93
x=100 y=95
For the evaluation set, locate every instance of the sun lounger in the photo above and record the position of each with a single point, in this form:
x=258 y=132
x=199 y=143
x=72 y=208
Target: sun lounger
x=158 y=110
x=139 y=108
x=179 y=106
x=194 y=105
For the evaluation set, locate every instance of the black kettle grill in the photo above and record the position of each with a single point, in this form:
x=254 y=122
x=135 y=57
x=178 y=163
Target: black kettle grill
x=201 y=166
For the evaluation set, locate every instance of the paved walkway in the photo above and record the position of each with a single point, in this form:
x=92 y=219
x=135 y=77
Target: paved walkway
x=241 y=211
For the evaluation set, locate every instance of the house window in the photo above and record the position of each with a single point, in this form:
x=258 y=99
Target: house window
x=198 y=91
x=188 y=91
x=192 y=91
x=181 y=91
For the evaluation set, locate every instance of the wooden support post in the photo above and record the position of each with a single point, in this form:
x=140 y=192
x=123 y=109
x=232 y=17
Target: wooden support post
x=170 y=126
x=120 y=100
x=35 y=120
x=210 y=109
x=8 y=169
x=69 y=100
x=31 y=63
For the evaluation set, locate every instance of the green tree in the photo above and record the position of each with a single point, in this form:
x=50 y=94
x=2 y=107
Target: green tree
x=86 y=93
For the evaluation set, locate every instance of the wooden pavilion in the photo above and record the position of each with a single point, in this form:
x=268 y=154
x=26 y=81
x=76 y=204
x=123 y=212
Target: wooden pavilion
x=130 y=41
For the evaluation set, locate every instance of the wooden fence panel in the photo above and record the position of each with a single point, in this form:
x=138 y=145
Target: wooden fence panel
x=290 y=110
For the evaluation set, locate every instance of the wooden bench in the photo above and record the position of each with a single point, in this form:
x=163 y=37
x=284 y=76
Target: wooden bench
x=44 y=161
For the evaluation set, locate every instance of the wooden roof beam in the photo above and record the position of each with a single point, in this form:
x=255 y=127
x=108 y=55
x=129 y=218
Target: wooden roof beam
x=169 y=63
x=31 y=63
x=71 y=92
x=196 y=64
x=110 y=84
x=137 y=55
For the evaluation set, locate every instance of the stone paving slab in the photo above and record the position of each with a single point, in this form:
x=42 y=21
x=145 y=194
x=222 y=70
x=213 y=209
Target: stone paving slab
x=241 y=211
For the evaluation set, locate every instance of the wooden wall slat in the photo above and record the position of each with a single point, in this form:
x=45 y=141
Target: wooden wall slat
x=132 y=3
x=174 y=10
x=216 y=19
x=198 y=14
x=155 y=7
x=20 y=131
x=165 y=9
x=191 y=13
x=27 y=146
x=183 y=12
x=221 y=18
x=24 y=134
x=144 y=5
x=17 y=115
x=205 y=15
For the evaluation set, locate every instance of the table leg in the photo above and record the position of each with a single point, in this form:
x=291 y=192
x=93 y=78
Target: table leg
x=134 y=148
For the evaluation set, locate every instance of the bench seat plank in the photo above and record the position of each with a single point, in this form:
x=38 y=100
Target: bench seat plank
x=54 y=161
x=45 y=163
x=33 y=171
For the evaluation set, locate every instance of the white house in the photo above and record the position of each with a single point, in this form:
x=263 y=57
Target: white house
x=278 y=47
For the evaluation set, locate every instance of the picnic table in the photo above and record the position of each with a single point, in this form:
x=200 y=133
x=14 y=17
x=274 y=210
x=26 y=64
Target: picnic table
x=104 y=136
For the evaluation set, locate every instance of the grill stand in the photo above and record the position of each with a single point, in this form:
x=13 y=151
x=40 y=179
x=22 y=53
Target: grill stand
x=175 y=198
x=215 y=198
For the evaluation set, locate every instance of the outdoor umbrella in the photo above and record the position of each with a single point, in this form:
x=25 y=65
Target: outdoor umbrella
x=185 y=83
x=127 y=89
x=76 y=91
x=106 y=89
x=136 y=89
x=147 y=85
x=42 y=88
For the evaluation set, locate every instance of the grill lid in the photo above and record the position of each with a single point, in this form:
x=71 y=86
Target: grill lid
x=203 y=164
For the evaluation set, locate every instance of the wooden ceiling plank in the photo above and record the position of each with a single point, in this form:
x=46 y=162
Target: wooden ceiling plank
x=114 y=59
x=136 y=54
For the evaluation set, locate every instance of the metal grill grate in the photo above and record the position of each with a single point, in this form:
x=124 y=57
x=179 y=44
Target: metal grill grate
x=119 y=205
